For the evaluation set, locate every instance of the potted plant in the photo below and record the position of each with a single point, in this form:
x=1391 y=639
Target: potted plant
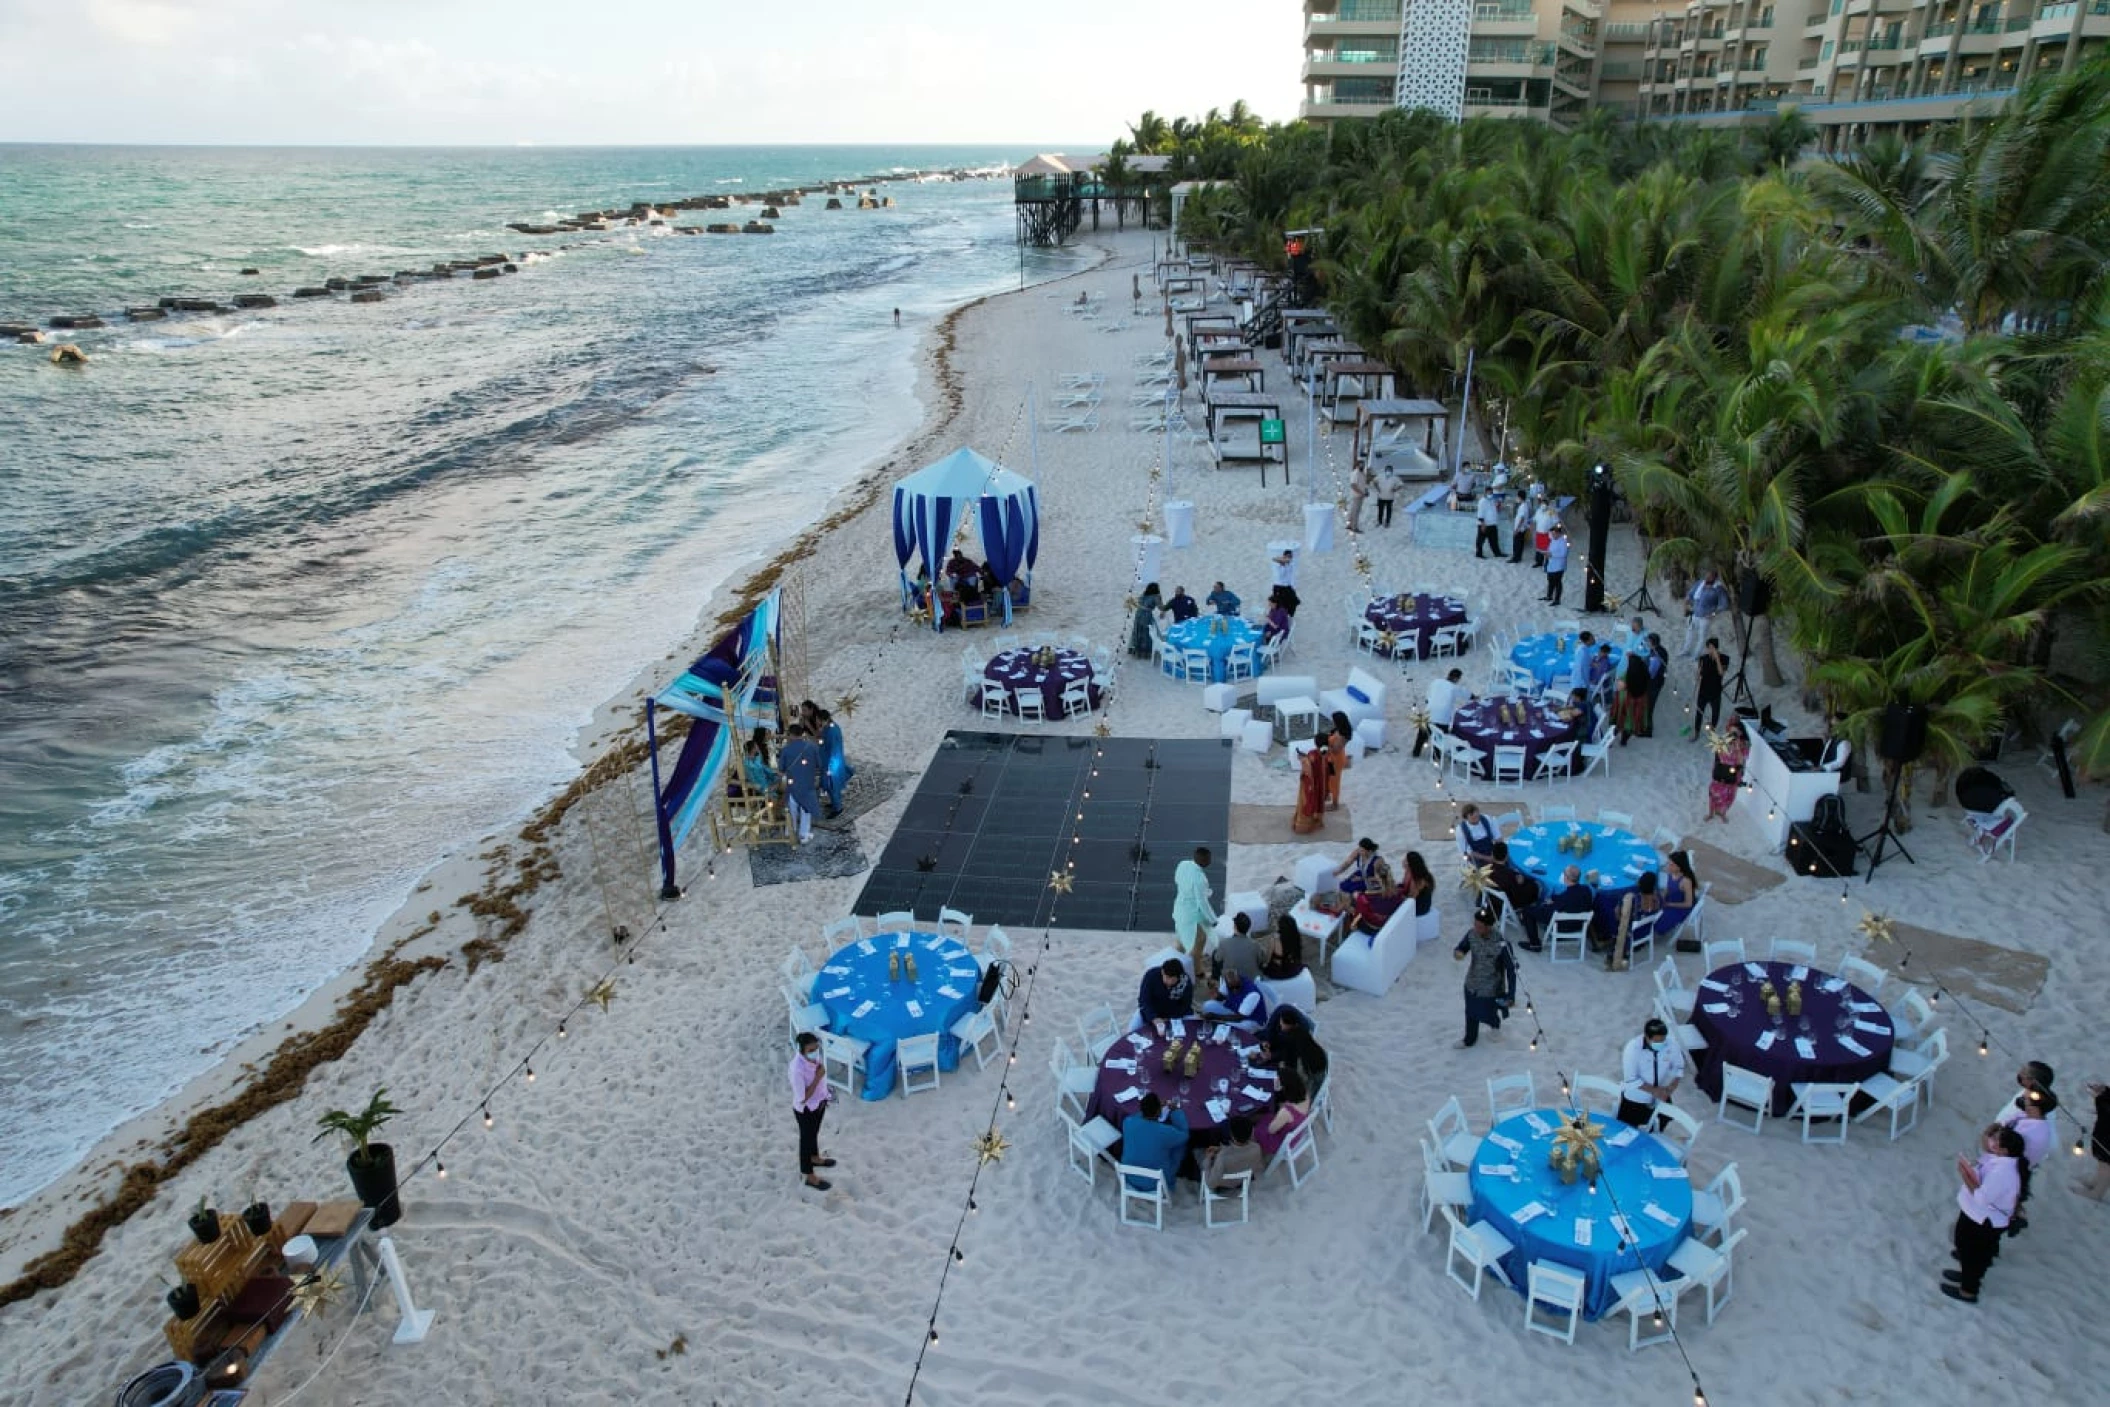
x=182 y=1300
x=372 y=1165
x=204 y=1221
x=257 y=1215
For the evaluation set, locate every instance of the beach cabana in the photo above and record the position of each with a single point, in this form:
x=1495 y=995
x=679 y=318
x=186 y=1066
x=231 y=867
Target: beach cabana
x=933 y=503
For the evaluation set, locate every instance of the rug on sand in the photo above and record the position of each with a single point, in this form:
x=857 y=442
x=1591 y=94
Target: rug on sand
x=2006 y=977
x=1735 y=881
x=1439 y=819
x=832 y=853
x=1269 y=825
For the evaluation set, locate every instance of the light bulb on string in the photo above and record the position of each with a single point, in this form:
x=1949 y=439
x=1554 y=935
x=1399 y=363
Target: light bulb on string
x=957 y=1255
x=1983 y=1045
x=2080 y=1148
x=561 y=1032
x=439 y=1167
x=487 y=1116
x=531 y=1074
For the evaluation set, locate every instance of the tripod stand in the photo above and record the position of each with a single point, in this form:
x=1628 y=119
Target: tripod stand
x=1885 y=835
x=1740 y=687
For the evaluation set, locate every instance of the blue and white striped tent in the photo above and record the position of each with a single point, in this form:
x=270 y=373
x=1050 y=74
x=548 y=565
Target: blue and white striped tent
x=932 y=503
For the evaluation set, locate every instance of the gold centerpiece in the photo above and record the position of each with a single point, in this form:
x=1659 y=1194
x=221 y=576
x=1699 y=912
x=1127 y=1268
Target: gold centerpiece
x=1194 y=1059
x=1574 y=1152
x=1172 y=1054
x=1794 y=999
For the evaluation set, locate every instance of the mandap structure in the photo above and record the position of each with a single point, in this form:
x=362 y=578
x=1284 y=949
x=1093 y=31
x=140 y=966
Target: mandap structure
x=934 y=504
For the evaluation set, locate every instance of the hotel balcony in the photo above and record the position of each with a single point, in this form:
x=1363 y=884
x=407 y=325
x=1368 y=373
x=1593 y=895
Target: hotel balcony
x=1323 y=65
x=1504 y=19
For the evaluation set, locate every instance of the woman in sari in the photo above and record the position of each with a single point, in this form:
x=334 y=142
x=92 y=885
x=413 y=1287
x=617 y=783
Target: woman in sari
x=1146 y=613
x=1381 y=896
x=1728 y=772
x=1313 y=773
x=1337 y=758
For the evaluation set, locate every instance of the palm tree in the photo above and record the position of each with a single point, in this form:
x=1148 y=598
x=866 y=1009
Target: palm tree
x=1149 y=133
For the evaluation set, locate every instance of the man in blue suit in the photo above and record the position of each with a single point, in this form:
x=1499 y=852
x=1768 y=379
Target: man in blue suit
x=1154 y=1137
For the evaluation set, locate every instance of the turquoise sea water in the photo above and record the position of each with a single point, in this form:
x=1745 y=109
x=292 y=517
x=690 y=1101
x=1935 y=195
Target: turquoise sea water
x=295 y=602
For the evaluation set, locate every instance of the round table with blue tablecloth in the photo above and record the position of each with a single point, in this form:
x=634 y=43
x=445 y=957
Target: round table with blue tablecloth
x=1552 y=656
x=1618 y=856
x=1217 y=636
x=1412 y=620
x=1635 y=1214
x=865 y=1000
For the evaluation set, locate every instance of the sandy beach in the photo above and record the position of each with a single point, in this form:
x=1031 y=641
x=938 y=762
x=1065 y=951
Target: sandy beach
x=642 y=1190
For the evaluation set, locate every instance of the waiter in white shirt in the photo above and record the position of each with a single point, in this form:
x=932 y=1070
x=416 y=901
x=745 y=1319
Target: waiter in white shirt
x=1285 y=564
x=1445 y=695
x=1650 y=1071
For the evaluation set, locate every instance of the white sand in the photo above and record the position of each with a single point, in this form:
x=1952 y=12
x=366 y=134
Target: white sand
x=643 y=1187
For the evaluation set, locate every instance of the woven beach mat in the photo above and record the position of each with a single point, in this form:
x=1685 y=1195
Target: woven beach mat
x=1735 y=880
x=1270 y=825
x=1972 y=968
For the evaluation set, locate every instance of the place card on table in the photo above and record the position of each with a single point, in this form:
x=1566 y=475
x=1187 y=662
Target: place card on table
x=1504 y=1141
x=1499 y=1169
x=1873 y=1028
x=1127 y=1096
x=836 y=969
x=1833 y=984
x=1179 y=1027
x=1585 y=1227
x=1627 y=1134
x=1253 y=1092
x=1139 y=1040
x=1755 y=970
x=915 y=1009
x=863 y=1009
x=1714 y=986
x=838 y=992
x=903 y=939
x=1530 y=1210
x=1125 y=1065
x=965 y=971
x=1849 y=1043
x=949 y=990
x=1765 y=1042
x=1716 y=1008
x=1657 y=1213
x=1219 y=1109
x=866 y=948
x=936 y=943
x=1538 y=1125
x=1263 y=1073
x=1798 y=973
x=1865 y=1006
x=1668 y=1172
x=1804 y=1048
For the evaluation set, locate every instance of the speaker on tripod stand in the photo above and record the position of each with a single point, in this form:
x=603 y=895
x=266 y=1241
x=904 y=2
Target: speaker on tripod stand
x=1900 y=743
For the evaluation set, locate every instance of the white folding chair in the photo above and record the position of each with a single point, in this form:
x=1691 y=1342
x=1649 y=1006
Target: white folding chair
x=1864 y=974
x=1509 y=766
x=801 y=1014
x=1443 y=642
x=1152 y=1194
x=849 y=1053
x=1665 y=838
x=1508 y=823
x=893 y=921
x=956 y=925
x=1466 y=760
x=1682 y=1030
x=1452 y=1136
x=1567 y=928
x=1721 y=954
x=1498 y=903
x=1440 y=1187
x=1074 y=1083
x=1899 y=1098
x=1510 y=1094
x=1912 y=1017
x=1598 y=752
x=1707 y=1267
x=1679 y=1133
x=1241 y=663
x=1641 y=936
x=996 y=699
x=1031 y=704
x=1714 y=1207
x=1920 y=1063
x=977 y=1031
x=1594 y=1094
x=1521 y=681
x=1241 y=1198
x=1792 y=950
x=1302 y=1145
x=996 y=946
x=842 y=931
x=915 y=1056
x=1077 y=699
x=1556 y=763
x=1622 y=819
x=1194 y=666
x=1639 y=1294
x=797 y=972
x=1482 y=1248
x=1556 y=813
x=1670 y=988
x=1746 y=1089
x=1099 y=1030
x=1558 y=1290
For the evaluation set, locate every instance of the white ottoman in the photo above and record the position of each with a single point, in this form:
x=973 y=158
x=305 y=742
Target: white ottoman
x=1315 y=874
x=1370 y=732
x=1232 y=724
x=1259 y=736
x=1218 y=698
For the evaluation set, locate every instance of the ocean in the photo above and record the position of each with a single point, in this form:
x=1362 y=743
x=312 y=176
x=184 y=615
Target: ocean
x=294 y=603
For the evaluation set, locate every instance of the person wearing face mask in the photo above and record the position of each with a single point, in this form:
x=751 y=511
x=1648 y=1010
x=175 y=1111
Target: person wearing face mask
x=1650 y=1070
x=2031 y=1116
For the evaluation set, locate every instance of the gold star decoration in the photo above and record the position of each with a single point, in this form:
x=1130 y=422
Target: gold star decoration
x=1142 y=525
x=847 y=705
x=602 y=993
x=991 y=1146
x=1060 y=881
x=1362 y=564
x=1877 y=928
x=1102 y=729
x=315 y=1293
x=1717 y=742
x=1611 y=603
x=1388 y=640
x=1419 y=718
x=1156 y=473
x=1478 y=878
x=1131 y=601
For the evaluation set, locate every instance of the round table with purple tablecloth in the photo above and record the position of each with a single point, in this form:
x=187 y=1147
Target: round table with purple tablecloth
x=1135 y=1066
x=1482 y=726
x=1018 y=670
x=1848 y=1031
x=1413 y=619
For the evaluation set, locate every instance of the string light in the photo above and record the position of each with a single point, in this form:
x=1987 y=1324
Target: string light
x=439 y=1167
x=487 y=1116
x=561 y=1033
x=531 y=1074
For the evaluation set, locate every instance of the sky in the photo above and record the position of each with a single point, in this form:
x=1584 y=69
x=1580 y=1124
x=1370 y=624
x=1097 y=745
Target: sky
x=636 y=72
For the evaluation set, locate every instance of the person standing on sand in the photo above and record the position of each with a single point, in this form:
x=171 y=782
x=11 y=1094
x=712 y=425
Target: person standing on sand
x=809 y=1104
x=1359 y=486
x=1388 y=486
x=1193 y=916
x=836 y=770
x=897 y=317
x=799 y=762
x=1556 y=563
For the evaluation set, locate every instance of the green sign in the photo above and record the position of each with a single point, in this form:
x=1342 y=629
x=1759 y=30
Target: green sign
x=1271 y=432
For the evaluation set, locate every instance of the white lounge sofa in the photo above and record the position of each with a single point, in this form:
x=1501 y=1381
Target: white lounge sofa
x=1344 y=700
x=1271 y=689
x=1373 y=964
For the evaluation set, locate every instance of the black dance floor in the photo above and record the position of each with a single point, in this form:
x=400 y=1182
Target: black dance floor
x=995 y=813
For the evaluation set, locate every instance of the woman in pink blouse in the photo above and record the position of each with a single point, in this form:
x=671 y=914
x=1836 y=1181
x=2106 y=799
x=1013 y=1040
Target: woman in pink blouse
x=1992 y=1188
